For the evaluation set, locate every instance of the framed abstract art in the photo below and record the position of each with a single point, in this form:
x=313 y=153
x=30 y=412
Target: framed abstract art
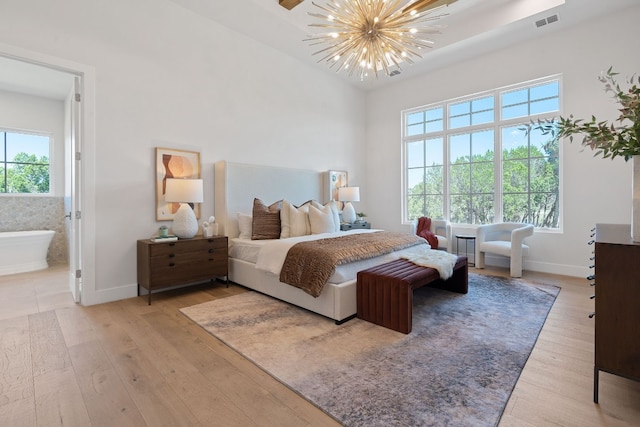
x=172 y=163
x=335 y=180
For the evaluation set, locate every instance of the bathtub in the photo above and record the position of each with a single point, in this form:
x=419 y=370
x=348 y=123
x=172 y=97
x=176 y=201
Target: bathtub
x=22 y=251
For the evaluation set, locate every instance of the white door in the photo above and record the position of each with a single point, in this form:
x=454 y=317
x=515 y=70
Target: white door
x=72 y=192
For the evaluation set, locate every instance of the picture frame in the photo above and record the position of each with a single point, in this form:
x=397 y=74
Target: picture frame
x=335 y=180
x=171 y=163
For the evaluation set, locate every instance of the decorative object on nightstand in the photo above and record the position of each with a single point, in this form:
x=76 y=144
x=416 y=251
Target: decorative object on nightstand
x=186 y=192
x=210 y=228
x=348 y=195
x=361 y=217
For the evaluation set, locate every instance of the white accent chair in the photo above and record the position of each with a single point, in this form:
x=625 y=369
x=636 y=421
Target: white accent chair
x=442 y=229
x=506 y=239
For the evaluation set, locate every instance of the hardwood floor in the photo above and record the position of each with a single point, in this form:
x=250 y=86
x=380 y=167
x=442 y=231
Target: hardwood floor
x=130 y=364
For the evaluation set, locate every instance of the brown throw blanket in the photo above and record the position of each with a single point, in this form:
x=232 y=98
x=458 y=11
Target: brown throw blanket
x=424 y=230
x=309 y=265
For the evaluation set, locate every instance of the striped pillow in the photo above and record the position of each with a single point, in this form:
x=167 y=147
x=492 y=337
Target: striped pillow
x=266 y=220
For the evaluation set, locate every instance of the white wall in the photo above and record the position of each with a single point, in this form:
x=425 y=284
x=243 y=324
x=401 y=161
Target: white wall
x=36 y=114
x=167 y=77
x=594 y=190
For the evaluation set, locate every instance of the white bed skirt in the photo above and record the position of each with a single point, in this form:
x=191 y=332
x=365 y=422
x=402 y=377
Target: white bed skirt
x=337 y=301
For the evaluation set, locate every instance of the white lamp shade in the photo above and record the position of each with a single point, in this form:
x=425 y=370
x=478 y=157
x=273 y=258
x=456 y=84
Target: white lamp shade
x=349 y=194
x=184 y=190
x=185 y=223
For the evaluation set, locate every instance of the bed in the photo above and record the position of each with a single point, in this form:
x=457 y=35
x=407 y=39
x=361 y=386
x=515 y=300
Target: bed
x=236 y=187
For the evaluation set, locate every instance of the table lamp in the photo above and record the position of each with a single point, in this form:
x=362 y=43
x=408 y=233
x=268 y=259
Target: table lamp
x=348 y=195
x=186 y=192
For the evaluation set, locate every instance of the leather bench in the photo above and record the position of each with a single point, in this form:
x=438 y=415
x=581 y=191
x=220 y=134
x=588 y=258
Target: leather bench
x=385 y=292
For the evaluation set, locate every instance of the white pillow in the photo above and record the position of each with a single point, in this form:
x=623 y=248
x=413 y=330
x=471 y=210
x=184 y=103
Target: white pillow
x=245 y=223
x=294 y=221
x=334 y=210
x=321 y=220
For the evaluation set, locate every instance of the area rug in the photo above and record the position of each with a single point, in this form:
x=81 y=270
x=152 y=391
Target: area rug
x=456 y=368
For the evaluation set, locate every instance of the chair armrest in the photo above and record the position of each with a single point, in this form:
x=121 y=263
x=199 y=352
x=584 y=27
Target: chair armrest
x=414 y=226
x=519 y=234
x=449 y=236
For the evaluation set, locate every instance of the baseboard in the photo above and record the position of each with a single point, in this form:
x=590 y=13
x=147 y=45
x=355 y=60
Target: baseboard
x=541 y=267
x=108 y=295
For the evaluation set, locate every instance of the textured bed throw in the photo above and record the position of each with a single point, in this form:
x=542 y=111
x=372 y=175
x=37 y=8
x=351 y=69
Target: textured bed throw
x=309 y=265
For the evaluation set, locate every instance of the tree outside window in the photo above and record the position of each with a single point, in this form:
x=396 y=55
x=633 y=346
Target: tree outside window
x=24 y=163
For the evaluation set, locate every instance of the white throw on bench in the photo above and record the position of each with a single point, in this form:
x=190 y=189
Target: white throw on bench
x=507 y=239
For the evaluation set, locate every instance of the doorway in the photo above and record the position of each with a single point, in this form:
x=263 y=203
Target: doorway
x=34 y=75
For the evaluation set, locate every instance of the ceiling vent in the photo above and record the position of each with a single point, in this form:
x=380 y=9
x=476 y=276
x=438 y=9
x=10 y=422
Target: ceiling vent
x=549 y=20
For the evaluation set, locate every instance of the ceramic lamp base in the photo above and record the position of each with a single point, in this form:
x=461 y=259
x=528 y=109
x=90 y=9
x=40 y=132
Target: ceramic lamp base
x=348 y=213
x=185 y=223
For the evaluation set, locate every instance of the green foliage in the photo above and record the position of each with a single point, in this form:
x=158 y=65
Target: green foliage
x=606 y=139
x=27 y=174
x=530 y=188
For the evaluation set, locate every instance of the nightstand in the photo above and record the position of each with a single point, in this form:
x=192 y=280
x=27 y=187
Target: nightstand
x=355 y=226
x=167 y=264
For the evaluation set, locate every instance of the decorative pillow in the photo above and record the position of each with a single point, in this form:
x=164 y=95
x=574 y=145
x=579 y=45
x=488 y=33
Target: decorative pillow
x=294 y=221
x=244 y=225
x=321 y=220
x=334 y=211
x=266 y=220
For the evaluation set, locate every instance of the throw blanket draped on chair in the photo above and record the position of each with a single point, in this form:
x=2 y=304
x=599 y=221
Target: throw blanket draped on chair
x=424 y=230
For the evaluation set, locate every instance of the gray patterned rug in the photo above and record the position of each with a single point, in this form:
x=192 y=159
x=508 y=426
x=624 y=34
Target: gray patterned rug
x=457 y=368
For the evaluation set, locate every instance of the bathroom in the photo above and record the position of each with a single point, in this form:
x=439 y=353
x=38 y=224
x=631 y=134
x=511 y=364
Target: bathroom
x=25 y=107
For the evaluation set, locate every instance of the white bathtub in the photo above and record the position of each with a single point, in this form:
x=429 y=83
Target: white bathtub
x=22 y=251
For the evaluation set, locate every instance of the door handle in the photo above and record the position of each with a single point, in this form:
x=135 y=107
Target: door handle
x=68 y=215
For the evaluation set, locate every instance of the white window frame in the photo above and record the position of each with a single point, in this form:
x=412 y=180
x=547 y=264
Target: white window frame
x=497 y=126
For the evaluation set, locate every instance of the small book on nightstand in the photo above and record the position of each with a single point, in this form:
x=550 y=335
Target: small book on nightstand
x=169 y=238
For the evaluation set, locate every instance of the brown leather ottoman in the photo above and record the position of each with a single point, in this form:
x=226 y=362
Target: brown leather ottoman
x=385 y=292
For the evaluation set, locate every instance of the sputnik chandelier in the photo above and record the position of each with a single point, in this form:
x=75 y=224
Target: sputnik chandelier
x=371 y=36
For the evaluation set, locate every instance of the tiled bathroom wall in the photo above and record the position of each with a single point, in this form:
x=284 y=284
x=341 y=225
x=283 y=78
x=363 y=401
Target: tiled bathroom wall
x=37 y=213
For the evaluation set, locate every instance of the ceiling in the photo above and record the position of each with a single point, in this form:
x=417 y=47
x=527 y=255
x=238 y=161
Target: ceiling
x=471 y=27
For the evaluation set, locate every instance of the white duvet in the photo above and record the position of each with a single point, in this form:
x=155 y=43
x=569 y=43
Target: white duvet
x=273 y=254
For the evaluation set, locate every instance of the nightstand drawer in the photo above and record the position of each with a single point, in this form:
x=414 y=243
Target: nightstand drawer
x=182 y=246
x=186 y=270
x=355 y=226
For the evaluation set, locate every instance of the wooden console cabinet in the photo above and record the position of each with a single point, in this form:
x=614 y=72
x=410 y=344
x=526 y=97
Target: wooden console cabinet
x=167 y=264
x=617 y=303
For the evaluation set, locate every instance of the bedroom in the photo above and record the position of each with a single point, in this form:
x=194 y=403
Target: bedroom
x=275 y=110
x=165 y=76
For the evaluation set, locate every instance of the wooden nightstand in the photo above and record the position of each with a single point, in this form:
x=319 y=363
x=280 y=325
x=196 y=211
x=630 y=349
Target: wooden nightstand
x=355 y=226
x=167 y=264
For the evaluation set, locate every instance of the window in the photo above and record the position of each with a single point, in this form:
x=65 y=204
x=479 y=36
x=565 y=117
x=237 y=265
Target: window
x=470 y=161
x=24 y=163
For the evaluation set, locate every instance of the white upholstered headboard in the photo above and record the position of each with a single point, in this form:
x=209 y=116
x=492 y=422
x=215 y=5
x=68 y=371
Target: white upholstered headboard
x=237 y=184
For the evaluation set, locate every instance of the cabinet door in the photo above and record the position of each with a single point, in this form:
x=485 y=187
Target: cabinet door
x=618 y=308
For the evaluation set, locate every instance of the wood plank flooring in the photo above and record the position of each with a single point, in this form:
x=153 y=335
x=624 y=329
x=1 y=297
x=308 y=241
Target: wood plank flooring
x=130 y=364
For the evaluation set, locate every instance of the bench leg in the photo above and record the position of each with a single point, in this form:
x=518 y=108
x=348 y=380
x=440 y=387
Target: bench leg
x=385 y=304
